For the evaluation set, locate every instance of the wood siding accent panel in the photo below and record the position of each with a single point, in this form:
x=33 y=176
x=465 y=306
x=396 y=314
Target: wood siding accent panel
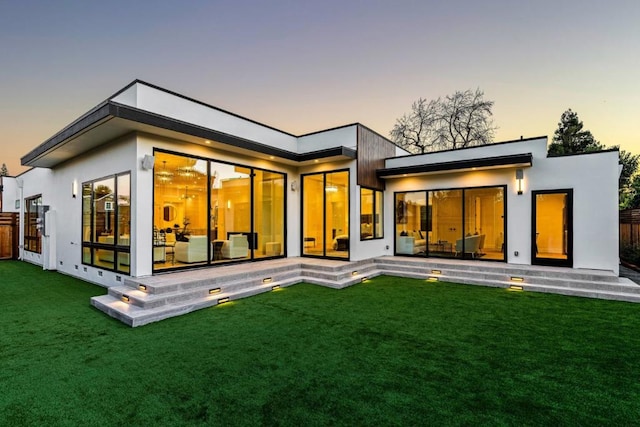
x=372 y=150
x=9 y=232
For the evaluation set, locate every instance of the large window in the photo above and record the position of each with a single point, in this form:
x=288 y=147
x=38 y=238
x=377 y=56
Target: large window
x=106 y=222
x=371 y=219
x=325 y=214
x=211 y=212
x=452 y=223
x=33 y=221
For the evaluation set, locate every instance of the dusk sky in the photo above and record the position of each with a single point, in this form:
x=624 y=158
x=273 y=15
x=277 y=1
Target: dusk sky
x=302 y=66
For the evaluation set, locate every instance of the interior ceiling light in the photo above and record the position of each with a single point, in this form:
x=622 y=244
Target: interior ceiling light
x=164 y=175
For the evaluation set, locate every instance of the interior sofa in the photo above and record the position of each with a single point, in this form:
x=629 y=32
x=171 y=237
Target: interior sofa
x=413 y=243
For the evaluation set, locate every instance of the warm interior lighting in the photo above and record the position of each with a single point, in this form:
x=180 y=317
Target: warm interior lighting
x=432 y=279
x=126 y=298
x=517 y=279
x=436 y=272
x=271 y=157
x=275 y=287
x=331 y=189
x=207 y=141
x=223 y=300
x=214 y=291
x=516 y=288
x=142 y=287
x=519 y=179
x=267 y=280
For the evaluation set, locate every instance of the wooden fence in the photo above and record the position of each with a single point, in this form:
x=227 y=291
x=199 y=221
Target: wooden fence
x=630 y=227
x=9 y=235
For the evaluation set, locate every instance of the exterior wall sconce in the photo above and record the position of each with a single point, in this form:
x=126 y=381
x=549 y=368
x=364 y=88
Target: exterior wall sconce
x=74 y=188
x=294 y=185
x=519 y=179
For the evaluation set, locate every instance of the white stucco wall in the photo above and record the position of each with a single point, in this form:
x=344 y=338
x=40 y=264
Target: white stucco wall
x=593 y=178
x=537 y=147
x=10 y=193
x=32 y=183
x=166 y=104
x=341 y=137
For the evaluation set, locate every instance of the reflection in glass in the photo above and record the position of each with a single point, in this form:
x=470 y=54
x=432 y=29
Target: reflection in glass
x=412 y=227
x=269 y=213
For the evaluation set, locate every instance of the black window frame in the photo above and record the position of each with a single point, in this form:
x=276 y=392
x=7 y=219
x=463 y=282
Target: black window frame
x=375 y=221
x=93 y=245
x=32 y=241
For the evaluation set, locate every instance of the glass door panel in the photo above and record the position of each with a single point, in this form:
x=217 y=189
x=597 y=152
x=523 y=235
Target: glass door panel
x=552 y=239
x=484 y=223
x=412 y=223
x=230 y=213
x=313 y=214
x=269 y=213
x=337 y=214
x=446 y=223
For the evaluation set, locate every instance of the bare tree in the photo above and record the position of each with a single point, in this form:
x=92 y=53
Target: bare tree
x=416 y=131
x=460 y=120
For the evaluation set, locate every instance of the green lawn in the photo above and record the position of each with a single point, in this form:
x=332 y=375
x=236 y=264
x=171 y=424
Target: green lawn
x=388 y=352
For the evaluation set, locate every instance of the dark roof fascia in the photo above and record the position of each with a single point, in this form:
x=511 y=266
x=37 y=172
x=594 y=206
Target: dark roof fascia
x=95 y=115
x=134 y=114
x=329 y=152
x=492 y=144
x=606 y=150
x=170 y=92
x=458 y=165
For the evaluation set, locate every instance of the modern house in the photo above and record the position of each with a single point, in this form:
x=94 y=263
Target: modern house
x=150 y=181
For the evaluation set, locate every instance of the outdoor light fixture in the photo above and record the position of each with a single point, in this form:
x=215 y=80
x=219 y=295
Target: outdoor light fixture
x=516 y=279
x=432 y=279
x=223 y=300
x=142 y=287
x=74 y=188
x=267 y=280
x=519 y=178
x=516 y=288
x=214 y=291
x=436 y=272
x=354 y=273
x=275 y=287
x=364 y=279
x=125 y=298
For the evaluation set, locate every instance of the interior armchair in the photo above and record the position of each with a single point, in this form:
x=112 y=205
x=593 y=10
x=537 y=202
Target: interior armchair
x=236 y=247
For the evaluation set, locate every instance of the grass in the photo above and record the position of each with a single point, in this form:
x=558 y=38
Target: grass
x=388 y=352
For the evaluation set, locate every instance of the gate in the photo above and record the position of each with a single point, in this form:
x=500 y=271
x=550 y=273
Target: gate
x=9 y=235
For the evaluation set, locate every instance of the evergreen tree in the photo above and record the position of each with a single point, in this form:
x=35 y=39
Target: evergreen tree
x=570 y=138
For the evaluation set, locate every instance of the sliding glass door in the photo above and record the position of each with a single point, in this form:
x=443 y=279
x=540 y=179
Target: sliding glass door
x=466 y=223
x=325 y=214
x=211 y=212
